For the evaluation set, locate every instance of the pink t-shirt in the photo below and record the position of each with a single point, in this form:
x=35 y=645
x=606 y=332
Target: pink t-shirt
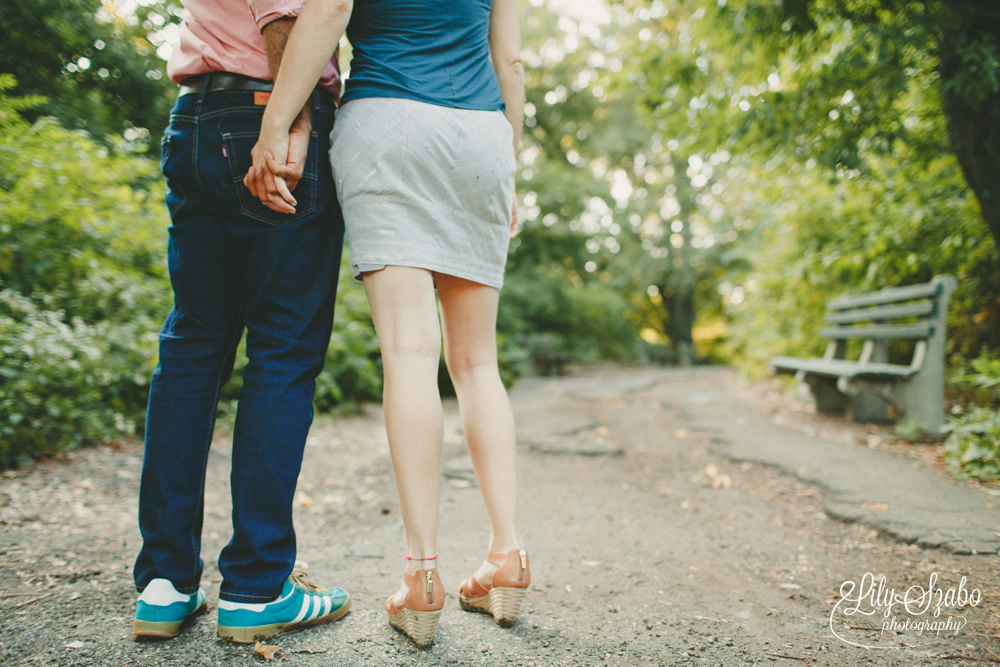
x=224 y=36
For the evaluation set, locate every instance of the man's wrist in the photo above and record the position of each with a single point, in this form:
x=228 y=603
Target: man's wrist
x=275 y=36
x=304 y=120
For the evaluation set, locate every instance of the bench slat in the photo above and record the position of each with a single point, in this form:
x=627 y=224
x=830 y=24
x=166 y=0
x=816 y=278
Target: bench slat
x=888 y=295
x=841 y=368
x=920 y=309
x=879 y=331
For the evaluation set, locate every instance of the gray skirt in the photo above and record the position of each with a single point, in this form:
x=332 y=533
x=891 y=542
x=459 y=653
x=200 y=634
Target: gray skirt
x=425 y=186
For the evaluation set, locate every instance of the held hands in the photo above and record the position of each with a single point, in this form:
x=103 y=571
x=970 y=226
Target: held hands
x=278 y=162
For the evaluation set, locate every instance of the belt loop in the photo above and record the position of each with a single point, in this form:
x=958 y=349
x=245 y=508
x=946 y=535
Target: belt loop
x=204 y=91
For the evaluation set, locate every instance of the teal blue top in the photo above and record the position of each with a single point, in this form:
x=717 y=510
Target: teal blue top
x=434 y=51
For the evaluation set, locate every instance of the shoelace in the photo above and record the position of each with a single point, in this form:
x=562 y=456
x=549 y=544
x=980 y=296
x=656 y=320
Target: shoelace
x=299 y=577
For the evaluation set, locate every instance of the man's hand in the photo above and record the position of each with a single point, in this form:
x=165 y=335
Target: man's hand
x=298 y=149
x=272 y=190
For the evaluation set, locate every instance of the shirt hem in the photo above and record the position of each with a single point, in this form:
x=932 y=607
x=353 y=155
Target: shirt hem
x=404 y=95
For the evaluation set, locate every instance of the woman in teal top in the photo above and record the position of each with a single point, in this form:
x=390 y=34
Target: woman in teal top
x=423 y=158
x=434 y=51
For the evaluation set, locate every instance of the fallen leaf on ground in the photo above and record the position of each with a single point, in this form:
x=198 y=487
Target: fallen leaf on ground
x=76 y=644
x=878 y=507
x=717 y=478
x=74 y=596
x=267 y=652
x=306 y=649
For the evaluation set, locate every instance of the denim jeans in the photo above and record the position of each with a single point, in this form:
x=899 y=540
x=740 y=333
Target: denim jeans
x=236 y=264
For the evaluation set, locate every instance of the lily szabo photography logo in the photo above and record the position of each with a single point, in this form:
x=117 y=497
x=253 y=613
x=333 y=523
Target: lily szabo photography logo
x=917 y=610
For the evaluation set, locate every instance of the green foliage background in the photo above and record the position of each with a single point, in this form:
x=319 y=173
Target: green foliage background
x=82 y=285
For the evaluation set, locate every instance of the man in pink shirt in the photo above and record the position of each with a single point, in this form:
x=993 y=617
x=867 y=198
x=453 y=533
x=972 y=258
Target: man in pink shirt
x=236 y=265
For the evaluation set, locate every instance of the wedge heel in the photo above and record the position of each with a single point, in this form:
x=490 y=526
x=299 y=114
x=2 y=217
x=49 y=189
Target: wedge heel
x=502 y=603
x=501 y=598
x=420 y=612
x=420 y=626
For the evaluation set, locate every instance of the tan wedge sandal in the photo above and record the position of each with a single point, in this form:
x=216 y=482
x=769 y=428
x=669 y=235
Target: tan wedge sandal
x=503 y=597
x=421 y=610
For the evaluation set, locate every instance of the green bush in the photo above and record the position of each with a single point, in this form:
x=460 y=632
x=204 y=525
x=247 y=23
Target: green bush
x=973 y=445
x=546 y=323
x=63 y=384
x=82 y=285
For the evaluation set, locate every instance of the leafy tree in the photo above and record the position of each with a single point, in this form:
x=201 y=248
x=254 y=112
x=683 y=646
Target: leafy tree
x=871 y=55
x=834 y=78
x=843 y=176
x=98 y=69
x=560 y=302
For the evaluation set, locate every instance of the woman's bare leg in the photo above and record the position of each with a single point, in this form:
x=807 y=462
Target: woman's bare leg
x=406 y=320
x=469 y=313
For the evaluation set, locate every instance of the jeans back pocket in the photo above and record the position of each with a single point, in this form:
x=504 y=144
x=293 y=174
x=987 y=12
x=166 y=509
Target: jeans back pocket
x=238 y=147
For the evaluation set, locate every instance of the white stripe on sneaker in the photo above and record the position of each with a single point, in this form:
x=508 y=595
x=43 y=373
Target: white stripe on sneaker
x=303 y=610
x=318 y=607
x=327 y=605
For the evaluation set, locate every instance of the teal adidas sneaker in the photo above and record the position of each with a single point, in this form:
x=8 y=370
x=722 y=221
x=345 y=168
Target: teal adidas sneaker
x=300 y=605
x=161 y=610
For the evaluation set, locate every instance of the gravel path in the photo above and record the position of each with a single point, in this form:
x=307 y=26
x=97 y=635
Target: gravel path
x=649 y=544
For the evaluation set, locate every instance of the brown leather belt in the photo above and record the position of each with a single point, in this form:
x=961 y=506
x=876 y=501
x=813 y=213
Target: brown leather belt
x=223 y=81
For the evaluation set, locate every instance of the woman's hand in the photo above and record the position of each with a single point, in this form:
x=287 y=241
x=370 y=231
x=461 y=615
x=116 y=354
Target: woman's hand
x=273 y=182
x=266 y=178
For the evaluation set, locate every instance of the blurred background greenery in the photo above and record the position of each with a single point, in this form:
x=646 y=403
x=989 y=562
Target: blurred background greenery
x=697 y=179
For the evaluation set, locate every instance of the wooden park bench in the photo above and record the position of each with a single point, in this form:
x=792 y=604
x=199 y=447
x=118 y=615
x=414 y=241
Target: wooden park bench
x=865 y=386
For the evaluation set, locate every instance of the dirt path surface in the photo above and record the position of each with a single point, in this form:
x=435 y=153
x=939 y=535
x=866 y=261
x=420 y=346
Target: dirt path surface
x=660 y=534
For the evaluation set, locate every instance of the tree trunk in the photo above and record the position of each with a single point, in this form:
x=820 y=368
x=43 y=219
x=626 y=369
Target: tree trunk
x=680 y=305
x=971 y=109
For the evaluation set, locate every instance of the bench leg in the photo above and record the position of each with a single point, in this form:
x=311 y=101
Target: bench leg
x=922 y=401
x=869 y=401
x=866 y=407
x=828 y=398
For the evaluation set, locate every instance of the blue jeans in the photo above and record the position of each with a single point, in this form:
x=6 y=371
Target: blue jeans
x=236 y=264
